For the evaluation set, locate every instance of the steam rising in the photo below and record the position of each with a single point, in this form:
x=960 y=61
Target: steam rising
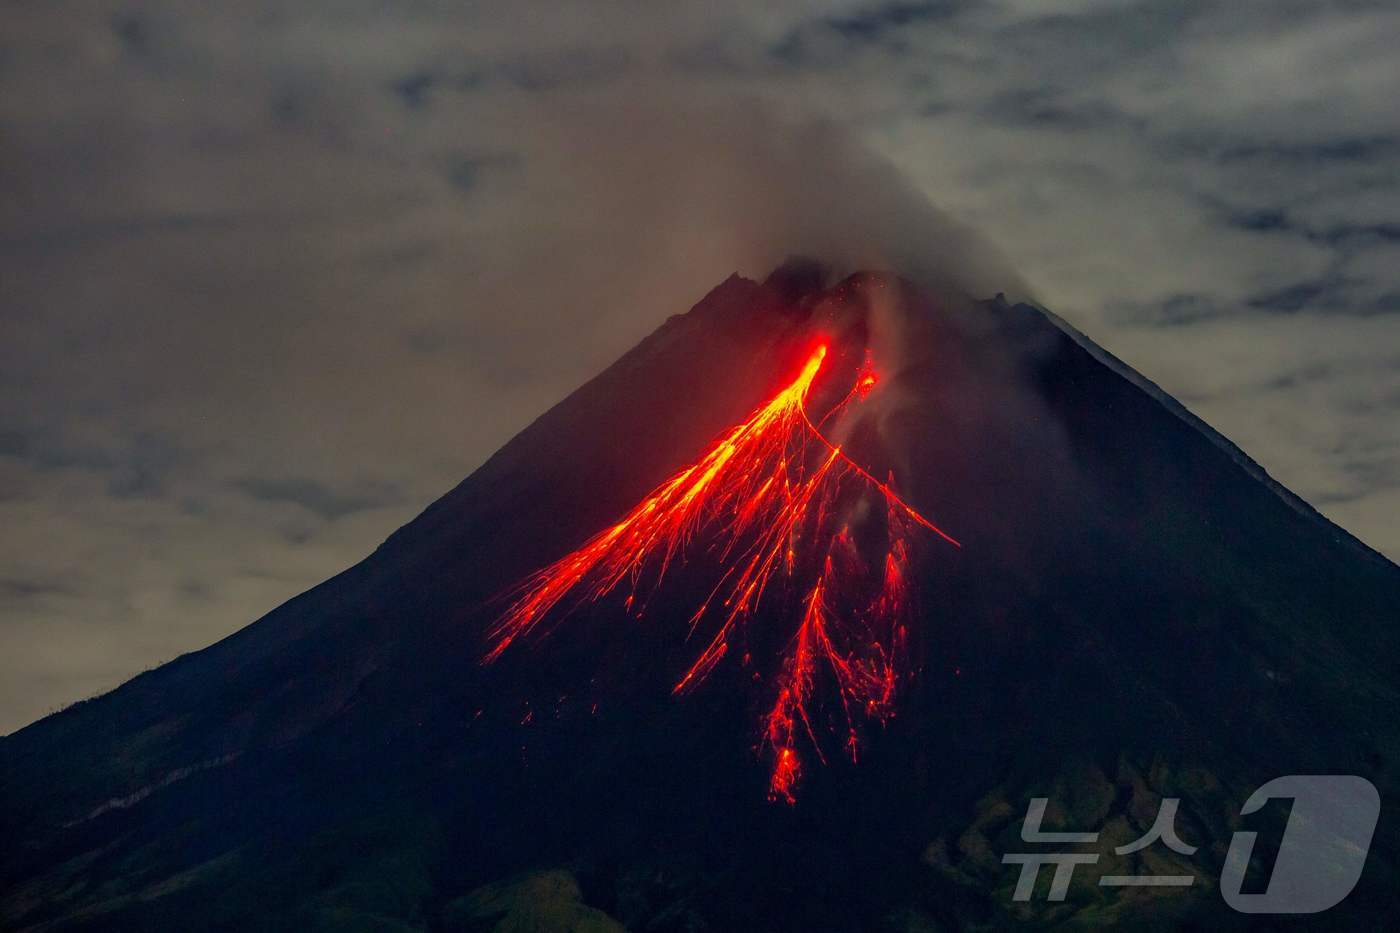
x=673 y=198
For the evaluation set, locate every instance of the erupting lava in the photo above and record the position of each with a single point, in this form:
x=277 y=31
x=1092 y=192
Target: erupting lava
x=771 y=499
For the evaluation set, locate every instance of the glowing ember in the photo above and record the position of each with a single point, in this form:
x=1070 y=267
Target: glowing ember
x=770 y=497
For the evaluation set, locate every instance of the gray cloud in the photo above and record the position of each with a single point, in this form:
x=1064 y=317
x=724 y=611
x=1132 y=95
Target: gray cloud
x=275 y=277
x=317 y=498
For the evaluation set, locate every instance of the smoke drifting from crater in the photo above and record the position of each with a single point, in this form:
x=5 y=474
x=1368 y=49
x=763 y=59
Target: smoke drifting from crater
x=706 y=188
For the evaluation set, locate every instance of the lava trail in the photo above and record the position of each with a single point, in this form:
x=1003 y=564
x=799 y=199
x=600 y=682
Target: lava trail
x=770 y=500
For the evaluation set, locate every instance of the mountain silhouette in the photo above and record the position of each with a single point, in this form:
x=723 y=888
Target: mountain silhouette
x=1133 y=610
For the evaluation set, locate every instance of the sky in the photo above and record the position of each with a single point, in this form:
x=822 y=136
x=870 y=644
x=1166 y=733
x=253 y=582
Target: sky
x=273 y=277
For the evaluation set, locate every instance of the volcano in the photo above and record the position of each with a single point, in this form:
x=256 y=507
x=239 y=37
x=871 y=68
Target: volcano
x=780 y=623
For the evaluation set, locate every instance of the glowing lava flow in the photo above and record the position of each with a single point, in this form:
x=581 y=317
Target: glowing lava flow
x=769 y=495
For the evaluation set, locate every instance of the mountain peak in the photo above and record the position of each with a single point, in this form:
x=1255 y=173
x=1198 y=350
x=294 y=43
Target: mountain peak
x=797 y=277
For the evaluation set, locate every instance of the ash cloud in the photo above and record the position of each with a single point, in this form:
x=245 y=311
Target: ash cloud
x=719 y=185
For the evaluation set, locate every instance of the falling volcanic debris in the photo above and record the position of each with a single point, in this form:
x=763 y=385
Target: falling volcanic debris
x=773 y=498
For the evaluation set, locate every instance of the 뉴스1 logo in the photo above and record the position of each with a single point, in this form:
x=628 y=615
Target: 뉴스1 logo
x=1319 y=861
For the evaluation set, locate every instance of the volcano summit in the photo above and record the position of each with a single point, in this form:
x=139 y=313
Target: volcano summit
x=781 y=623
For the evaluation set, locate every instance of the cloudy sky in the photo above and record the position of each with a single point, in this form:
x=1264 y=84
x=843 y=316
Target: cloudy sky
x=274 y=276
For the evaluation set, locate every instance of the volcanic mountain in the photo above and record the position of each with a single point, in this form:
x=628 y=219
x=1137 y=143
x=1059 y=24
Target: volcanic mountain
x=778 y=624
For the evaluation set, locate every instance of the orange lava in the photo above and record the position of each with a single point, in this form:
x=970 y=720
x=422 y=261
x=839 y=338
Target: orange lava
x=769 y=498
